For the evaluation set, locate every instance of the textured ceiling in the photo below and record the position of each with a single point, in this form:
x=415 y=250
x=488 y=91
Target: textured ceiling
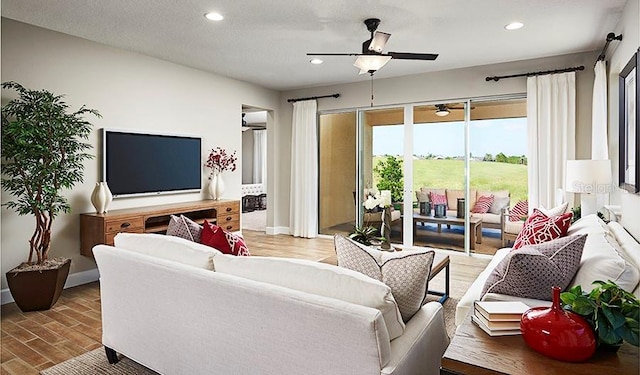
x=265 y=42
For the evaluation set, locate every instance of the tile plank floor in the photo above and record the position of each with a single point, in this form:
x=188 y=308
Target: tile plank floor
x=31 y=342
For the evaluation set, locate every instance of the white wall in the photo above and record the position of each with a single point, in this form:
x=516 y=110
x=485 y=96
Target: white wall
x=131 y=91
x=452 y=84
x=618 y=55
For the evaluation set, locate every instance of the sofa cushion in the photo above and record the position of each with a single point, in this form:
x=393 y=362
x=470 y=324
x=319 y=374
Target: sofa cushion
x=169 y=248
x=498 y=204
x=555 y=211
x=601 y=258
x=452 y=198
x=541 y=228
x=627 y=243
x=319 y=279
x=183 y=227
x=483 y=204
x=428 y=191
x=531 y=271
x=498 y=193
x=513 y=227
x=422 y=196
x=405 y=272
x=520 y=210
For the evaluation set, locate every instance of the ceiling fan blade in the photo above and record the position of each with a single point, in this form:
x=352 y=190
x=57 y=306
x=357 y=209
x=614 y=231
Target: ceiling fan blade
x=413 y=56
x=334 y=54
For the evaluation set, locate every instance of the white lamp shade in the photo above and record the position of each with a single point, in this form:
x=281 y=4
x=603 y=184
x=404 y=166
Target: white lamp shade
x=378 y=42
x=588 y=176
x=367 y=63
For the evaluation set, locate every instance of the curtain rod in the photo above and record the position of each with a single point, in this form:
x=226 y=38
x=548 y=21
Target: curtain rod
x=610 y=37
x=531 y=74
x=313 y=97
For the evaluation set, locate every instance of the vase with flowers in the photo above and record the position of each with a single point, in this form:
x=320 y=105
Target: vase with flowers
x=382 y=199
x=219 y=160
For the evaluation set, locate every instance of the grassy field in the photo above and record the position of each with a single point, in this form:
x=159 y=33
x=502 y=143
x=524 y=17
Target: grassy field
x=484 y=176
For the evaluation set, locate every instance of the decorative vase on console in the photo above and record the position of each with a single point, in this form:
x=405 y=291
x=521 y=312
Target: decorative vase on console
x=558 y=334
x=101 y=197
x=219 y=161
x=216 y=186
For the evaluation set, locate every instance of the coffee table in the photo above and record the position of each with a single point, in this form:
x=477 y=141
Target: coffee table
x=474 y=222
x=472 y=351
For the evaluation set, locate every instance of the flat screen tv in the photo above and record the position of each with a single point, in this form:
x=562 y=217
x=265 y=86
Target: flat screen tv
x=136 y=163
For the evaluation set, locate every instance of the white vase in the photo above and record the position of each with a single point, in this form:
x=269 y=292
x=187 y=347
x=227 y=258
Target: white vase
x=101 y=197
x=216 y=186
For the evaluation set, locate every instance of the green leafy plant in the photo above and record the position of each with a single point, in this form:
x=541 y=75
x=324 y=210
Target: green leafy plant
x=612 y=312
x=365 y=235
x=42 y=154
x=389 y=173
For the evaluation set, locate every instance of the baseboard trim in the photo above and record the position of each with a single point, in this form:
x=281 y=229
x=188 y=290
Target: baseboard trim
x=75 y=279
x=277 y=230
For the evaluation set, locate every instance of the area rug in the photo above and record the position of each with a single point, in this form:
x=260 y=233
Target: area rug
x=95 y=361
x=255 y=220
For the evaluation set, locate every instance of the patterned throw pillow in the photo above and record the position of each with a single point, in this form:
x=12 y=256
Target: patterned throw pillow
x=541 y=228
x=483 y=204
x=520 y=210
x=226 y=242
x=405 y=272
x=438 y=198
x=533 y=270
x=184 y=227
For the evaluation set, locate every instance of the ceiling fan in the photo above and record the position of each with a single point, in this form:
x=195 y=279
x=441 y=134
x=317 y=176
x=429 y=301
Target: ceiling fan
x=444 y=109
x=371 y=58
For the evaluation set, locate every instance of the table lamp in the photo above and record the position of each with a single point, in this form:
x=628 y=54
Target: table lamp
x=588 y=177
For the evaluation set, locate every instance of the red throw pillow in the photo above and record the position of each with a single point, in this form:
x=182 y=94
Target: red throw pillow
x=237 y=245
x=437 y=198
x=226 y=242
x=520 y=210
x=483 y=204
x=214 y=236
x=541 y=228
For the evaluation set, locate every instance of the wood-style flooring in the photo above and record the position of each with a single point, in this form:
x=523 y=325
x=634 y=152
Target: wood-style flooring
x=37 y=340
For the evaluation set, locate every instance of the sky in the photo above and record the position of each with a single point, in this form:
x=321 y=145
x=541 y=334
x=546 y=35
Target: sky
x=508 y=136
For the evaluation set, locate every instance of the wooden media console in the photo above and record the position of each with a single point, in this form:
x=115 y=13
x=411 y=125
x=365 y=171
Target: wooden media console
x=98 y=229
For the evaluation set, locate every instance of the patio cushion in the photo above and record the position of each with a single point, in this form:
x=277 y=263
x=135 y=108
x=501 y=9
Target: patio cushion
x=513 y=227
x=483 y=204
x=520 y=210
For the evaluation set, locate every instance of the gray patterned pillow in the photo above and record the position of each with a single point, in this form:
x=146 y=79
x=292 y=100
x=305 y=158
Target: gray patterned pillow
x=184 y=227
x=532 y=270
x=405 y=272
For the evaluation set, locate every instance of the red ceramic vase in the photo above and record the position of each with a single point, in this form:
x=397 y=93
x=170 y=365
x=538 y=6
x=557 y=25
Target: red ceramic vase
x=558 y=334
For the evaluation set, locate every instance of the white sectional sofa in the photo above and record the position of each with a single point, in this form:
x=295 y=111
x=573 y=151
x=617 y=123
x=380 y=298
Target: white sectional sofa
x=610 y=253
x=164 y=306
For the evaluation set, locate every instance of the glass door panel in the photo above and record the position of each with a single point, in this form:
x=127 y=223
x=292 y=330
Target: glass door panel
x=337 y=172
x=498 y=167
x=439 y=169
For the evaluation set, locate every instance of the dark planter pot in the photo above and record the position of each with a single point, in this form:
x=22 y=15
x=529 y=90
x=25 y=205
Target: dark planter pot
x=37 y=290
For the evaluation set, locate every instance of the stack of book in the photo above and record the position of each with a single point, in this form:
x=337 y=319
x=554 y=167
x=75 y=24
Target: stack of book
x=499 y=318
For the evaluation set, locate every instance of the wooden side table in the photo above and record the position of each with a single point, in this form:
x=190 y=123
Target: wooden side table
x=472 y=351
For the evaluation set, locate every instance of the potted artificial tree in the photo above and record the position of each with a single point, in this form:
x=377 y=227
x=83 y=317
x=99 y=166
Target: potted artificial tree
x=42 y=154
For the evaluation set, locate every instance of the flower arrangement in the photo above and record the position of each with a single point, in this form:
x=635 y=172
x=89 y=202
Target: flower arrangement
x=219 y=161
x=381 y=199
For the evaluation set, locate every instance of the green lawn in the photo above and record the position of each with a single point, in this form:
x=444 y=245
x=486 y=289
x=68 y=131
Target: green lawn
x=484 y=176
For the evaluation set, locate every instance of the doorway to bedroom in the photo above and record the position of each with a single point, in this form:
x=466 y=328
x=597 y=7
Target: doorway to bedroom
x=254 y=169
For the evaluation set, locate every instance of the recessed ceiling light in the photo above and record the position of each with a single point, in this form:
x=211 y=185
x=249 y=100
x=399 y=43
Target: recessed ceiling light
x=316 y=61
x=213 y=16
x=514 y=26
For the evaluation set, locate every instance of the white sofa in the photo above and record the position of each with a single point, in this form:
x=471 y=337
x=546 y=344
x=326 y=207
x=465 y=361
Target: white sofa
x=172 y=313
x=610 y=253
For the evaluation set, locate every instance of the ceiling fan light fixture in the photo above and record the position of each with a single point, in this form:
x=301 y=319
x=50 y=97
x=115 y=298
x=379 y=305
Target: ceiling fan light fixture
x=379 y=41
x=316 y=61
x=368 y=63
x=442 y=111
x=214 y=16
x=514 y=26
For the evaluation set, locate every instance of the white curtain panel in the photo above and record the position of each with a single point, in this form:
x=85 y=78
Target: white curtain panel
x=260 y=157
x=599 y=117
x=551 y=123
x=303 y=219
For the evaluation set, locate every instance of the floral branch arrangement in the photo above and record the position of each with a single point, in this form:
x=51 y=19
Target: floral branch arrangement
x=219 y=161
x=381 y=199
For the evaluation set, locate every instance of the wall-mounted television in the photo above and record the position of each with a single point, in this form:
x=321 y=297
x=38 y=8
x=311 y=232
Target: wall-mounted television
x=136 y=163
